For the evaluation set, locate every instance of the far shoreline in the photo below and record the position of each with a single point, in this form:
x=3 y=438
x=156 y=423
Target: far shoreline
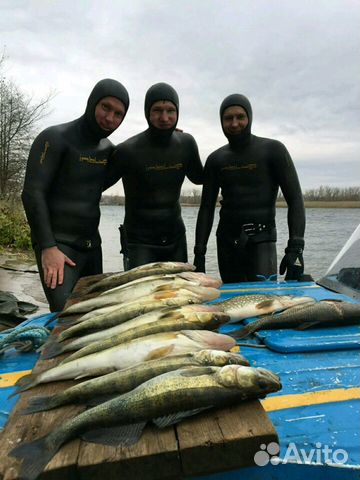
x=281 y=204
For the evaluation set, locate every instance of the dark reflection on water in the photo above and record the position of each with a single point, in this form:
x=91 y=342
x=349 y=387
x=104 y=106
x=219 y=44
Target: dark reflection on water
x=327 y=229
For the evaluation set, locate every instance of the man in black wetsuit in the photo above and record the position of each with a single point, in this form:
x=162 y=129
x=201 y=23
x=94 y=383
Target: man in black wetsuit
x=249 y=171
x=63 y=185
x=153 y=165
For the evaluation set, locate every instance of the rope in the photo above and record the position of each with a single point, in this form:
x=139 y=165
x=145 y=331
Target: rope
x=24 y=339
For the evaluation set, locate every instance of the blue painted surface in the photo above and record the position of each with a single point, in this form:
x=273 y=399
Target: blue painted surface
x=335 y=425
x=12 y=361
x=307 y=361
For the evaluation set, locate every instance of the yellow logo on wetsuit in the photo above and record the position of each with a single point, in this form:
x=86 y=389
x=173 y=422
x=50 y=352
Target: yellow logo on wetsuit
x=249 y=166
x=160 y=168
x=43 y=154
x=93 y=160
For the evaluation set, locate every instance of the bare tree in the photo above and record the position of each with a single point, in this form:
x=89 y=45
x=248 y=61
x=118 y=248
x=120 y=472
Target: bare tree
x=18 y=116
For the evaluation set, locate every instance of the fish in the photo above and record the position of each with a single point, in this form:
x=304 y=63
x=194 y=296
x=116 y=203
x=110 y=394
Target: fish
x=163 y=400
x=168 y=322
x=246 y=306
x=187 y=317
x=197 y=278
x=127 y=379
x=127 y=354
x=325 y=313
x=137 y=289
x=178 y=297
x=138 y=272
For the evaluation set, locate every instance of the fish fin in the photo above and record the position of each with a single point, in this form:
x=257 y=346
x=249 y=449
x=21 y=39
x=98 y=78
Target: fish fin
x=167 y=420
x=172 y=315
x=51 y=350
x=96 y=372
x=121 y=435
x=66 y=322
x=35 y=455
x=37 y=404
x=165 y=294
x=164 y=288
x=93 y=402
x=241 y=333
x=24 y=383
x=264 y=304
x=159 y=353
x=196 y=371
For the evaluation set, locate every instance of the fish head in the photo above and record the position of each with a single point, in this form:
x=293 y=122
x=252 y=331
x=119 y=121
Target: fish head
x=201 y=279
x=219 y=358
x=254 y=382
x=208 y=339
x=291 y=300
x=210 y=320
x=204 y=293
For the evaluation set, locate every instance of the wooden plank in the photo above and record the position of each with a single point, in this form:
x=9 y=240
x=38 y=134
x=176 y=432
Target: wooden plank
x=155 y=456
x=212 y=442
x=224 y=439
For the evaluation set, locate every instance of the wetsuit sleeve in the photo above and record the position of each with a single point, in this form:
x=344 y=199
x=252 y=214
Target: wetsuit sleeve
x=290 y=187
x=42 y=167
x=115 y=169
x=207 y=208
x=195 y=170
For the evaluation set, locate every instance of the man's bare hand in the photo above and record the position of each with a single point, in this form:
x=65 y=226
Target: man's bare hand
x=53 y=261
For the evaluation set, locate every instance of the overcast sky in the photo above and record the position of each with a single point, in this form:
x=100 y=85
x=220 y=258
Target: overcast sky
x=298 y=63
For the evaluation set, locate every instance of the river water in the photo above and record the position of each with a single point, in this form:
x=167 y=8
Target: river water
x=327 y=229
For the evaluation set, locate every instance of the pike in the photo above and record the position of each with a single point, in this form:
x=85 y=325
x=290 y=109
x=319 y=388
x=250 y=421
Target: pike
x=325 y=313
x=125 y=380
x=188 y=317
x=163 y=400
x=137 y=289
x=138 y=272
x=246 y=306
x=190 y=295
x=130 y=353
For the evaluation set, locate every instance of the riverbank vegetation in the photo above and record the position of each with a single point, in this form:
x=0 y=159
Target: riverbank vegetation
x=14 y=229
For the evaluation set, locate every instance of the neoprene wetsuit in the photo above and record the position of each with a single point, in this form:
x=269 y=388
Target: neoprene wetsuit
x=249 y=171
x=153 y=165
x=63 y=185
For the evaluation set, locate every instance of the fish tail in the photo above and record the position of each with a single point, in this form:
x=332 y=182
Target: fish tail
x=38 y=404
x=241 y=333
x=35 y=455
x=64 y=335
x=26 y=382
x=52 y=349
x=67 y=321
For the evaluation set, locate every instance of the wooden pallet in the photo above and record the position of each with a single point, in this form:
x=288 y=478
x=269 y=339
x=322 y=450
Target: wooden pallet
x=211 y=442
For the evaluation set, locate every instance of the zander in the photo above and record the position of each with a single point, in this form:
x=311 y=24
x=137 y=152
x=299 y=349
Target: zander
x=130 y=353
x=164 y=400
x=124 y=380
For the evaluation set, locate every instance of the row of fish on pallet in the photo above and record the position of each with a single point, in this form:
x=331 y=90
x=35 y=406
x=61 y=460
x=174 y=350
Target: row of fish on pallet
x=150 y=342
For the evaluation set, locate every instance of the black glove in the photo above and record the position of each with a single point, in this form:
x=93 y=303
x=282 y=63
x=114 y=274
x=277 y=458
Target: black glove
x=293 y=262
x=199 y=262
x=199 y=259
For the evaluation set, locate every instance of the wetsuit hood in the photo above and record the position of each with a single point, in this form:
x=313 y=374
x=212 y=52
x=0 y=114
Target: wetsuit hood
x=104 y=88
x=157 y=92
x=240 y=101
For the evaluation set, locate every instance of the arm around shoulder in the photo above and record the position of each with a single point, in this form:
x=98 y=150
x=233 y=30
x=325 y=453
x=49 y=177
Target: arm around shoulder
x=195 y=170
